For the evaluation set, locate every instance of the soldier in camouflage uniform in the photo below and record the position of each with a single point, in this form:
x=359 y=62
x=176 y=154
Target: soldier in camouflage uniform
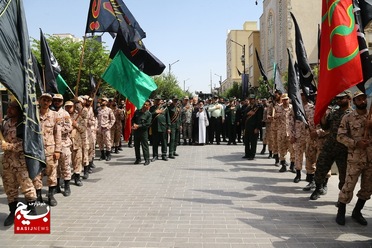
x=91 y=130
x=64 y=162
x=273 y=113
x=186 y=119
x=333 y=151
x=117 y=127
x=78 y=136
x=51 y=132
x=141 y=122
x=15 y=174
x=175 y=126
x=106 y=120
x=85 y=114
x=355 y=134
x=284 y=115
x=303 y=142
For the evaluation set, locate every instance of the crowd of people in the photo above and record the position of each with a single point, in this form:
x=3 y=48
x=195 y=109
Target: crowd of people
x=73 y=129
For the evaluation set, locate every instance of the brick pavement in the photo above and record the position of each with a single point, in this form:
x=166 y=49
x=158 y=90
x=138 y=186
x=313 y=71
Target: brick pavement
x=207 y=197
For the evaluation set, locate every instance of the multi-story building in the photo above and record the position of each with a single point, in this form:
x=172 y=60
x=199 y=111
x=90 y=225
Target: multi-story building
x=278 y=31
x=237 y=54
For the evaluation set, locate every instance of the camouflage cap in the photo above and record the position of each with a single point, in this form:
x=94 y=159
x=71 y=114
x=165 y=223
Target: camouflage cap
x=69 y=103
x=46 y=95
x=284 y=96
x=58 y=96
x=345 y=93
x=358 y=93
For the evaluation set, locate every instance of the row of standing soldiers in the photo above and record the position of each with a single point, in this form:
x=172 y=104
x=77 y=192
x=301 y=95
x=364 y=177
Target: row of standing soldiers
x=69 y=136
x=342 y=137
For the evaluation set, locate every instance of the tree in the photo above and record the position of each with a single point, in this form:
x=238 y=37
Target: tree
x=68 y=53
x=234 y=91
x=168 y=86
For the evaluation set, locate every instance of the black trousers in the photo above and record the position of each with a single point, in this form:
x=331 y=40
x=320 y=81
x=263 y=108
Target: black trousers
x=215 y=127
x=250 y=142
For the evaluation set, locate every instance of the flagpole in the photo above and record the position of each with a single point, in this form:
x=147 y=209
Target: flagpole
x=43 y=66
x=80 y=66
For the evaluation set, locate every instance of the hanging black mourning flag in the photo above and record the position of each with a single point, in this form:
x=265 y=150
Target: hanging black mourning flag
x=17 y=75
x=112 y=16
x=137 y=53
x=294 y=91
x=49 y=65
x=366 y=11
x=263 y=74
x=365 y=58
x=306 y=76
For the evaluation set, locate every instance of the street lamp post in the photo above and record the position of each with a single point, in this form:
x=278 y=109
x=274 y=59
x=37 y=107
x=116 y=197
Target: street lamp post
x=219 y=82
x=242 y=58
x=184 y=81
x=170 y=65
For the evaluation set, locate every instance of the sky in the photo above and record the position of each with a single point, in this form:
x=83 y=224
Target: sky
x=192 y=32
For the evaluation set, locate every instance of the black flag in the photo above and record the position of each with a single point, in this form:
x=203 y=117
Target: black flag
x=137 y=53
x=366 y=11
x=112 y=16
x=294 y=91
x=306 y=76
x=263 y=74
x=365 y=58
x=50 y=67
x=278 y=79
x=17 y=75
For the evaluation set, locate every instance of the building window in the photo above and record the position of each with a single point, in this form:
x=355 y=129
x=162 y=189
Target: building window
x=250 y=50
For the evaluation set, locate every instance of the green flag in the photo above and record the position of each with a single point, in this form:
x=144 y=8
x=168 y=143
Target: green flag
x=62 y=85
x=126 y=78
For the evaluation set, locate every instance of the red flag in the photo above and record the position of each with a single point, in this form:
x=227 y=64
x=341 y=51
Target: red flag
x=130 y=108
x=340 y=65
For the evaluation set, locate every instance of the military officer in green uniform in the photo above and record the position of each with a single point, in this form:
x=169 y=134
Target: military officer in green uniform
x=160 y=126
x=141 y=122
x=175 y=120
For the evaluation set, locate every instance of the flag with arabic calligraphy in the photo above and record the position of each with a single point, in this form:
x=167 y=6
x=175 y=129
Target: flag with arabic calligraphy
x=112 y=16
x=340 y=65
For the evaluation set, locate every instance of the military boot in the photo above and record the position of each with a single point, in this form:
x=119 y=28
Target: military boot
x=77 y=180
x=103 y=157
x=263 y=149
x=86 y=174
x=292 y=167
x=270 y=154
x=357 y=215
x=276 y=157
x=297 y=179
x=51 y=200
x=317 y=192
x=108 y=155
x=311 y=185
x=284 y=166
x=39 y=196
x=340 y=218
x=67 y=191
x=58 y=188
x=325 y=186
x=116 y=150
x=10 y=219
x=90 y=167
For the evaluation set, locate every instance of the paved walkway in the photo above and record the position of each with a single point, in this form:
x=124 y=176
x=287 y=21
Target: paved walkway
x=207 y=197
